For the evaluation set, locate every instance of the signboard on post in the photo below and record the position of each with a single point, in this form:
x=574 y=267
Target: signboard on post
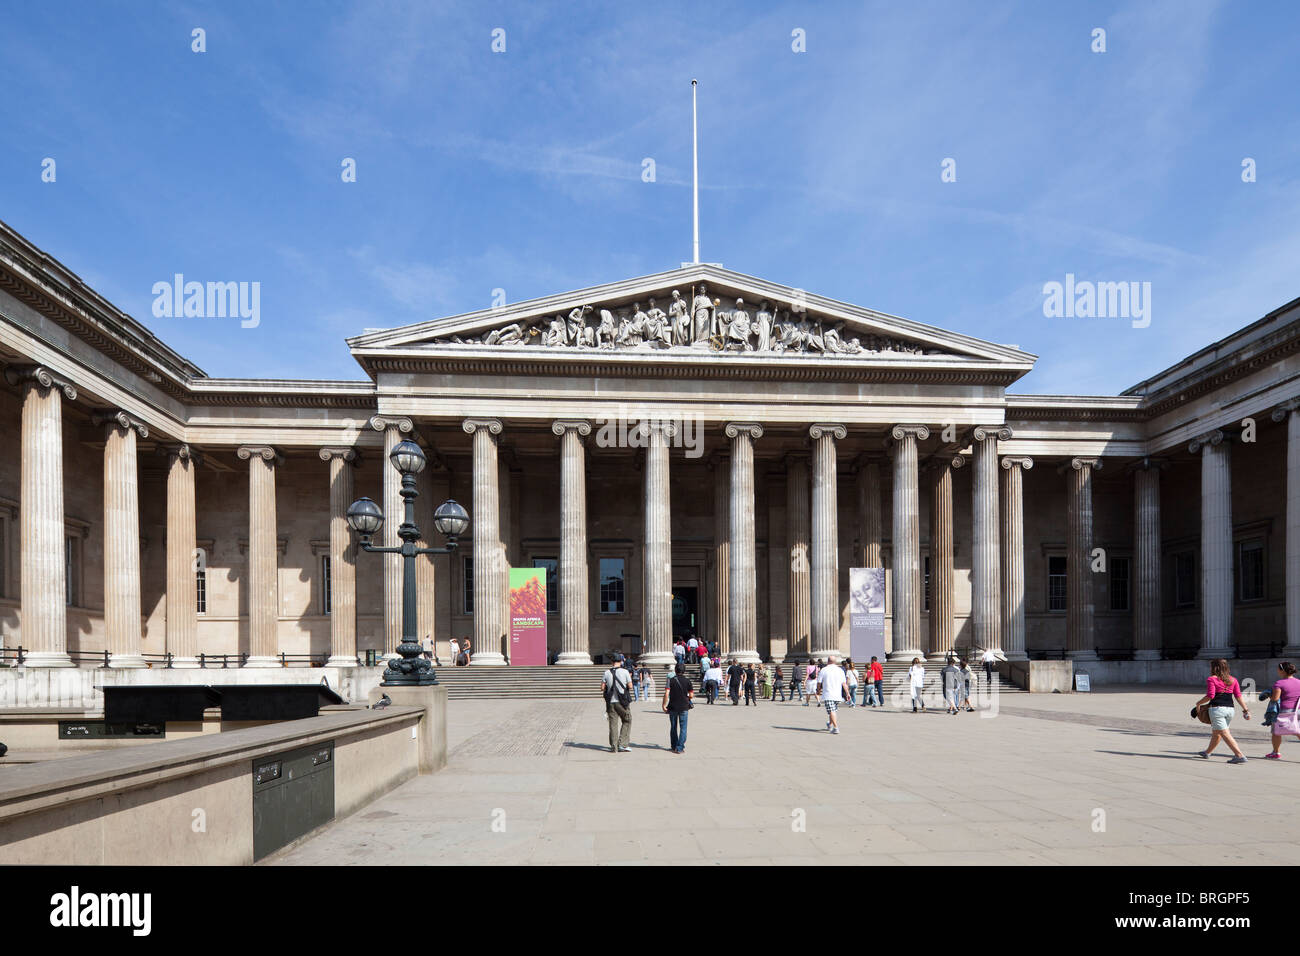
x=527 y=617
x=866 y=614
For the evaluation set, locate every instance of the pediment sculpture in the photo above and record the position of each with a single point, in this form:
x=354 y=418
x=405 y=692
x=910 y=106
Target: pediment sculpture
x=695 y=323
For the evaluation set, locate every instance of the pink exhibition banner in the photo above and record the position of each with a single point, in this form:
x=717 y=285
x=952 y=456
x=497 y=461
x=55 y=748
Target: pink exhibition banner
x=527 y=617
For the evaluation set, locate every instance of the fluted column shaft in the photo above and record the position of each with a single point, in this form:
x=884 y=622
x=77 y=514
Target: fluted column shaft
x=656 y=591
x=941 y=548
x=394 y=508
x=1013 y=557
x=1289 y=412
x=1080 y=635
x=744 y=558
x=824 y=565
x=1216 y=545
x=1147 y=641
x=425 y=571
x=986 y=594
x=122 y=544
x=490 y=579
x=869 y=514
x=799 y=596
x=343 y=557
x=44 y=626
x=907 y=638
x=575 y=631
x=183 y=559
x=721 y=466
x=263 y=552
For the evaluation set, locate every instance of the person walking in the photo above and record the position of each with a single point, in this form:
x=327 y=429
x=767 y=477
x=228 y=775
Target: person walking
x=831 y=683
x=916 y=678
x=952 y=686
x=1221 y=689
x=797 y=676
x=851 y=673
x=638 y=682
x=1287 y=694
x=712 y=681
x=735 y=679
x=751 y=680
x=615 y=684
x=778 y=683
x=810 y=683
x=967 y=676
x=875 y=684
x=988 y=659
x=677 y=705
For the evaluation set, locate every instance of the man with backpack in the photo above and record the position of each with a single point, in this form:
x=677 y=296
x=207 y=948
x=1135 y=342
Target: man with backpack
x=616 y=686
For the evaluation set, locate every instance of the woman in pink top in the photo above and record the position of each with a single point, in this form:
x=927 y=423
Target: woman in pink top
x=1221 y=689
x=1287 y=693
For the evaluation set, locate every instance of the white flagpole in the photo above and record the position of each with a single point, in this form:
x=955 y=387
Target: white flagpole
x=695 y=155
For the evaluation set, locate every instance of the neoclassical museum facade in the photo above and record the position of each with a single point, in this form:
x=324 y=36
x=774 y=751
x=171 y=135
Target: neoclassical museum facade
x=694 y=450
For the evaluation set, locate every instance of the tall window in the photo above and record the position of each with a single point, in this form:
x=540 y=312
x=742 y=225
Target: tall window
x=1119 y=586
x=326 y=598
x=552 y=567
x=611 y=586
x=467 y=580
x=1250 y=565
x=927 y=582
x=1056 y=586
x=201 y=589
x=1185 y=579
x=72 y=571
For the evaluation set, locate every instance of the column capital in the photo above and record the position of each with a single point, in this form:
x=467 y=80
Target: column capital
x=960 y=461
x=1207 y=440
x=1285 y=408
x=996 y=432
x=492 y=425
x=818 y=429
x=41 y=376
x=1147 y=463
x=1079 y=464
x=265 y=452
x=116 y=418
x=667 y=428
x=1018 y=461
x=384 y=422
x=349 y=455
x=562 y=425
x=919 y=432
x=183 y=451
x=796 y=454
x=939 y=463
x=735 y=429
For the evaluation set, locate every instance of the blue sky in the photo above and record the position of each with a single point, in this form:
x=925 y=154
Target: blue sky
x=522 y=170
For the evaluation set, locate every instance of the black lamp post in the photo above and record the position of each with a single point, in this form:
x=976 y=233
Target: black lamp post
x=366 y=518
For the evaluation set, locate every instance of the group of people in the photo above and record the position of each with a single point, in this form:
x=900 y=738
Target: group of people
x=691 y=650
x=1222 y=692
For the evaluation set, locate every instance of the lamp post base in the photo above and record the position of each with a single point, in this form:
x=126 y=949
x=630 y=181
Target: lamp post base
x=409 y=672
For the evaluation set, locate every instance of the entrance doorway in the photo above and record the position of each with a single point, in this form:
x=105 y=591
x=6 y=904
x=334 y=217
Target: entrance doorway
x=686 y=612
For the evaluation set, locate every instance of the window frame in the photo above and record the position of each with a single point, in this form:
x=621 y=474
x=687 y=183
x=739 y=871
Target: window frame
x=600 y=587
x=1064 y=583
x=1111 y=578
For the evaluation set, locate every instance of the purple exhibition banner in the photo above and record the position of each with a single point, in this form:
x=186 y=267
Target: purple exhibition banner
x=527 y=617
x=866 y=614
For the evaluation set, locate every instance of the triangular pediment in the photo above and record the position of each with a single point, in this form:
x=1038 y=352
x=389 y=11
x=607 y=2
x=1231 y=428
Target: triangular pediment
x=686 y=314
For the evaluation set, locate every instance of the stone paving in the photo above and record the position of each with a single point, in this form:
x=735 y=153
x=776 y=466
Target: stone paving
x=1105 y=778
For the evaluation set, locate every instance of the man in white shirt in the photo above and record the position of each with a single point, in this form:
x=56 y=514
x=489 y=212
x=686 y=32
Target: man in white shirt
x=712 y=681
x=692 y=650
x=988 y=660
x=830 y=681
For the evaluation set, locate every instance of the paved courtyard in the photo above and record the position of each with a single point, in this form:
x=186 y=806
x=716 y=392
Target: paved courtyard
x=1110 y=777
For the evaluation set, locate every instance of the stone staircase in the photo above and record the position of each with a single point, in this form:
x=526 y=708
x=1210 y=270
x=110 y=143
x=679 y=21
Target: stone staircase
x=490 y=683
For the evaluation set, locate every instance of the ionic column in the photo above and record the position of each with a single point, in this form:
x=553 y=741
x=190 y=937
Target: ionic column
x=1288 y=411
x=183 y=558
x=263 y=584
x=985 y=550
x=799 y=596
x=1216 y=545
x=44 y=627
x=744 y=559
x=1147 y=641
x=720 y=464
x=825 y=565
x=575 y=630
x=490 y=579
x=1013 y=556
x=1080 y=637
x=426 y=575
x=941 y=548
x=907 y=637
x=343 y=558
x=657 y=556
x=121 y=538
x=869 y=513
x=394 y=508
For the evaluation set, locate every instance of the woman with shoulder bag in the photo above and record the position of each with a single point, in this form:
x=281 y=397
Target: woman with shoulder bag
x=677 y=704
x=1287 y=693
x=1221 y=689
